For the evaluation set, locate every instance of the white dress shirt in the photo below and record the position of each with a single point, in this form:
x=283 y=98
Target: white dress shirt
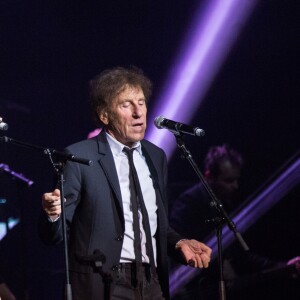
x=149 y=196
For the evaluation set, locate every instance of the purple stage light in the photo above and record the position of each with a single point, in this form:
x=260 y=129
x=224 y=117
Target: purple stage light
x=256 y=208
x=5 y=168
x=211 y=35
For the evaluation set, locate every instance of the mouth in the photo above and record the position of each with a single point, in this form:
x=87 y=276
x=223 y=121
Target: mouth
x=138 y=126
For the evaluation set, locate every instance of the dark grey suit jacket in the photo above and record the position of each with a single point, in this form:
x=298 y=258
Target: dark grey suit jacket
x=94 y=215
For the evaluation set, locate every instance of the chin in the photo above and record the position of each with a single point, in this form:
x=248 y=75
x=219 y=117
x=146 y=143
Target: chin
x=138 y=136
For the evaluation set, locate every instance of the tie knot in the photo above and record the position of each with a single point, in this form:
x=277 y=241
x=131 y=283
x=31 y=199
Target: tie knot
x=128 y=152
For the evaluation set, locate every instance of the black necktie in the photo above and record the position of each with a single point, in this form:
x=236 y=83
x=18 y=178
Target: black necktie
x=137 y=202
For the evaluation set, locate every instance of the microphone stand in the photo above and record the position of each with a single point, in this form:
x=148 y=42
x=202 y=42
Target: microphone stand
x=61 y=158
x=219 y=221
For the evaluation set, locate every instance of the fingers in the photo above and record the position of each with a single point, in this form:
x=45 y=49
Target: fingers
x=206 y=249
x=202 y=254
x=53 y=196
x=199 y=261
x=52 y=208
x=205 y=260
x=196 y=253
x=191 y=263
x=200 y=247
x=51 y=203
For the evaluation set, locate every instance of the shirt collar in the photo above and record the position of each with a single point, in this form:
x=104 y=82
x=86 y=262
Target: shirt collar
x=117 y=147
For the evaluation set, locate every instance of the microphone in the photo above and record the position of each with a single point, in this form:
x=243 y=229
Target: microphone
x=176 y=127
x=3 y=126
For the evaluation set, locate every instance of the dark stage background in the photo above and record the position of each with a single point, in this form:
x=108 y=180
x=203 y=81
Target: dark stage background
x=50 y=49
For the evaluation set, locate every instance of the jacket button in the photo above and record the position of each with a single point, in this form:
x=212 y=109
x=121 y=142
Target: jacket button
x=119 y=238
x=115 y=268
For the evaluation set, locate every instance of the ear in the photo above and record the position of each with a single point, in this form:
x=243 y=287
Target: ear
x=103 y=116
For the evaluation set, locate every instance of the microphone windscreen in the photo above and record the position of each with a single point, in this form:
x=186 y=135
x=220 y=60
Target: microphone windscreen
x=158 y=120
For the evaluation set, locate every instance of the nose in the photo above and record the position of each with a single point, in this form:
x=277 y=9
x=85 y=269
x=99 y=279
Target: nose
x=137 y=111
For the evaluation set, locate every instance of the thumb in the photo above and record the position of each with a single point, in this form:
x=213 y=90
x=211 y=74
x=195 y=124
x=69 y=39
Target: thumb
x=56 y=192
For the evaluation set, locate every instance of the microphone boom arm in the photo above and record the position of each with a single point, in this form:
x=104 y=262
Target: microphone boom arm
x=62 y=156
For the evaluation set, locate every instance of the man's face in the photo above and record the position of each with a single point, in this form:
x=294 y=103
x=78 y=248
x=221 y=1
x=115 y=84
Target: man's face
x=226 y=183
x=126 y=117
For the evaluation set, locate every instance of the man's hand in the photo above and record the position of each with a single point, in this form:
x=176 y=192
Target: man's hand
x=196 y=254
x=51 y=204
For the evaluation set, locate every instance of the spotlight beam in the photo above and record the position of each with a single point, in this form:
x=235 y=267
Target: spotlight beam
x=212 y=34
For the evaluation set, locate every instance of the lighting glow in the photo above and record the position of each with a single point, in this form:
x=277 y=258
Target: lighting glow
x=212 y=33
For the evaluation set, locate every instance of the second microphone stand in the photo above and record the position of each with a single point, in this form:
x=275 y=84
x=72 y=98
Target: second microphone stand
x=219 y=221
x=58 y=163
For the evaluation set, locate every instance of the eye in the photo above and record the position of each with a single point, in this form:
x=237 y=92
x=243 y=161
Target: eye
x=142 y=102
x=126 y=104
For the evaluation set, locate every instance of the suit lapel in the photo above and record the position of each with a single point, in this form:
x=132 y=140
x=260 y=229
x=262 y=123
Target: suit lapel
x=157 y=184
x=107 y=163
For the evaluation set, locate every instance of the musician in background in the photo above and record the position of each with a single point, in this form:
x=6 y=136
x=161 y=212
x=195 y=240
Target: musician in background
x=222 y=171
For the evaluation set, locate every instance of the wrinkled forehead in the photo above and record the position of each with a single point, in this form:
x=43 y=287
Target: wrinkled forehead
x=128 y=92
x=128 y=88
